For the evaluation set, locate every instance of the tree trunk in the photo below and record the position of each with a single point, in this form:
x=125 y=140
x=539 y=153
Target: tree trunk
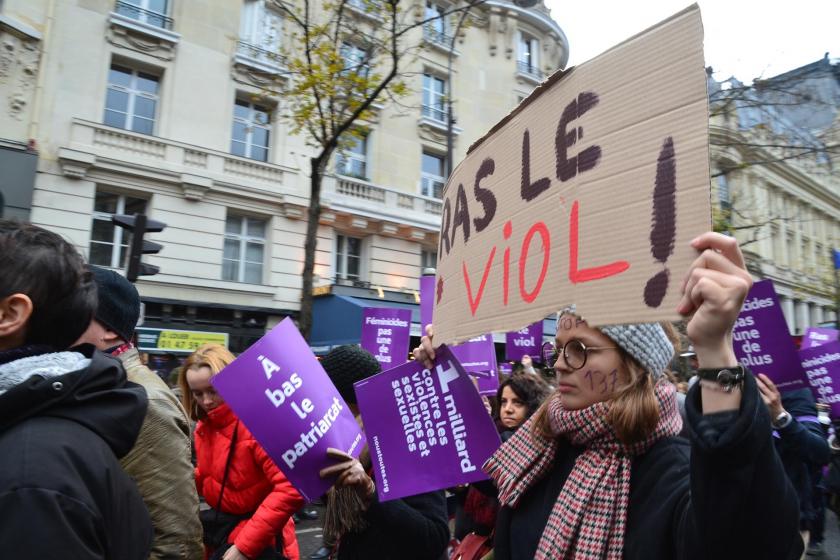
x=313 y=216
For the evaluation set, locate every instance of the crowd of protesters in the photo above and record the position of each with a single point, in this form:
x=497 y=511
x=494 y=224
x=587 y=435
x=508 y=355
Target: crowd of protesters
x=100 y=459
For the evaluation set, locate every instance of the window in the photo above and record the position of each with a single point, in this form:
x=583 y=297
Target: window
x=437 y=29
x=352 y=161
x=104 y=236
x=242 y=258
x=152 y=12
x=428 y=259
x=251 y=130
x=527 y=60
x=131 y=100
x=260 y=32
x=355 y=59
x=723 y=192
x=433 y=175
x=434 y=92
x=348 y=258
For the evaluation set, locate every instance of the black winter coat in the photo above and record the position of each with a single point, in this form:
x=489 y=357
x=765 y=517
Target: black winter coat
x=413 y=528
x=63 y=493
x=723 y=496
x=803 y=448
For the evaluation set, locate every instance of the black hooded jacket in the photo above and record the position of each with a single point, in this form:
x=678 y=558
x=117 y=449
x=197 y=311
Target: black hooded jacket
x=63 y=493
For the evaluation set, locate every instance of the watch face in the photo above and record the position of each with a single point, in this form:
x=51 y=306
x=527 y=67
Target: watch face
x=725 y=377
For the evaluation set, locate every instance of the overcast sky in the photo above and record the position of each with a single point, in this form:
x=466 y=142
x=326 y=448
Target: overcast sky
x=743 y=38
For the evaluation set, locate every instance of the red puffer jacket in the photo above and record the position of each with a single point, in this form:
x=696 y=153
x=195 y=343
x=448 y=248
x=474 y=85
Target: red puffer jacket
x=254 y=484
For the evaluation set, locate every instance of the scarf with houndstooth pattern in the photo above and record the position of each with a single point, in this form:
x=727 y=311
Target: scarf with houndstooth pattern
x=589 y=518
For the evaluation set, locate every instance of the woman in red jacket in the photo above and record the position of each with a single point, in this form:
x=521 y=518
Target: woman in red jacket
x=252 y=501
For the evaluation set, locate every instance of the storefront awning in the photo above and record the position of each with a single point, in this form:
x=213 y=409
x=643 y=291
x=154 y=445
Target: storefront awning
x=337 y=320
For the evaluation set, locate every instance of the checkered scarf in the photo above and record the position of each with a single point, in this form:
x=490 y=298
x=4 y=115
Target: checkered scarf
x=589 y=518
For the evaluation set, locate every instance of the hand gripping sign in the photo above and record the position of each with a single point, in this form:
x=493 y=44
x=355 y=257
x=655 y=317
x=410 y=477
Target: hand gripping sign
x=427 y=428
x=280 y=391
x=588 y=193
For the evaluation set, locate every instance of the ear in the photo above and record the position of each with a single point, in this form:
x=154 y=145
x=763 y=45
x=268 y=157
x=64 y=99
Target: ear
x=110 y=338
x=15 y=312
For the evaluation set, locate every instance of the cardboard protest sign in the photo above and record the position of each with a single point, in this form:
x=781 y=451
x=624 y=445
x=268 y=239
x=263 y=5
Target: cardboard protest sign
x=822 y=368
x=386 y=333
x=428 y=429
x=817 y=336
x=762 y=341
x=477 y=356
x=527 y=341
x=281 y=393
x=588 y=193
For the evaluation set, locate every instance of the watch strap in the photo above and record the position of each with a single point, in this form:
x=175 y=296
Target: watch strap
x=727 y=378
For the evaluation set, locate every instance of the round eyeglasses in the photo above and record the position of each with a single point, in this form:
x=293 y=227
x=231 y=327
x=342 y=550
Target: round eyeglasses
x=574 y=352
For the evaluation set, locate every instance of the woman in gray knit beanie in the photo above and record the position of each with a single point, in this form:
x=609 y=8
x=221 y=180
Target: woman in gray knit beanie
x=600 y=472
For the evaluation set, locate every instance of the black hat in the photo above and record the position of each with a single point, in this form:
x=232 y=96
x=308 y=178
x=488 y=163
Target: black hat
x=119 y=302
x=348 y=364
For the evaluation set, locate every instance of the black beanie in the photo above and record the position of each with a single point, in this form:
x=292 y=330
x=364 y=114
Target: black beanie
x=119 y=302
x=348 y=364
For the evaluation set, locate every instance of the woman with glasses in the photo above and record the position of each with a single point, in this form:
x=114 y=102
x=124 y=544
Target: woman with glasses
x=599 y=472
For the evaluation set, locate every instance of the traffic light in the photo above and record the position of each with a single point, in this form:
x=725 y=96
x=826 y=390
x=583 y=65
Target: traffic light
x=139 y=225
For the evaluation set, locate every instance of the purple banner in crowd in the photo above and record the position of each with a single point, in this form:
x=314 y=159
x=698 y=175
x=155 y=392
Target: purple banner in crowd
x=822 y=367
x=284 y=397
x=428 y=429
x=427 y=301
x=524 y=341
x=385 y=334
x=762 y=340
x=817 y=336
x=477 y=356
x=487 y=386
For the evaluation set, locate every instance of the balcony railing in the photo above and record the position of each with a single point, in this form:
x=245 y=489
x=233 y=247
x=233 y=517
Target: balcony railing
x=259 y=54
x=435 y=113
x=525 y=67
x=355 y=194
x=436 y=36
x=146 y=16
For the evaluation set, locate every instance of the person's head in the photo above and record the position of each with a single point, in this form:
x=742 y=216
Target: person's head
x=117 y=312
x=47 y=295
x=617 y=363
x=347 y=364
x=518 y=397
x=197 y=393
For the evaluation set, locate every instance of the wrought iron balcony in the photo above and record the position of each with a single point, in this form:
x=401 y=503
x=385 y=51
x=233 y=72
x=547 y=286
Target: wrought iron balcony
x=527 y=68
x=146 y=16
x=436 y=36
x=436 y=113
x=259 y=54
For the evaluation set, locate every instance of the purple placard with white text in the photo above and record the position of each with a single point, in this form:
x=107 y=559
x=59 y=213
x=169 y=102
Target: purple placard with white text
x=762 y=341
x=527 y=341
x=477 y=356
x=428 y=429
x=817 y=336
x=487 y=386
x=385 y=334
x=280 y=391
x=822 y=368
x=427 y=301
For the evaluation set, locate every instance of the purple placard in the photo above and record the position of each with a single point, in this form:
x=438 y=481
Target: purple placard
x=487 y=386
x=477 y=356
x=524 y=341
x=762 y=341
x=822 y=368
x=427 y=301
x=385 y=334
x=280 y=391
x=428 y=429
x=817 y=336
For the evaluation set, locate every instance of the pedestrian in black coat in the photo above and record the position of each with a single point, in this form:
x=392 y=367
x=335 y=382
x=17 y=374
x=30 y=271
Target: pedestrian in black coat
x=65 y=416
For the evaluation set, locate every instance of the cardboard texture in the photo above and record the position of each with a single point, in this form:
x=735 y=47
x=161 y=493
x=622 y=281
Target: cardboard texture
x=589 y=194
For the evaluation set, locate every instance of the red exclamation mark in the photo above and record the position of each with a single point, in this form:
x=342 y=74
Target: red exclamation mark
x=664 y=221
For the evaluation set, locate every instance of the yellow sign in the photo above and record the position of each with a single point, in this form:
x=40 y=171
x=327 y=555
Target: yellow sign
x=177 y=340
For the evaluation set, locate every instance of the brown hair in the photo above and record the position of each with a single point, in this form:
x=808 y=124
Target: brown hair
x=634 y=410
x=214 y=356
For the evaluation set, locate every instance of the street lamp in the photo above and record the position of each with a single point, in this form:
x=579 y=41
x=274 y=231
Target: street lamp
x=450 y=118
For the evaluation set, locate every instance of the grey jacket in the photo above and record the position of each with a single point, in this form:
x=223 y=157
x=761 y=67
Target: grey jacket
x=160 y=464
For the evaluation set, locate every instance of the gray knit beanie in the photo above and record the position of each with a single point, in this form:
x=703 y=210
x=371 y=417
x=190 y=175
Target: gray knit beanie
x=646 y=342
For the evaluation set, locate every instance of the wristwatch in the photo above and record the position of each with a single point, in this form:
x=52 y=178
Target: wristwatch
x=728 y=378
x=783 y=420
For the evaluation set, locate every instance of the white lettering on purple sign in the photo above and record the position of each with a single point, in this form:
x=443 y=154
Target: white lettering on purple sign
x=819 y=377
x=749 y=338
x=420 y=414
x=456 y=422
